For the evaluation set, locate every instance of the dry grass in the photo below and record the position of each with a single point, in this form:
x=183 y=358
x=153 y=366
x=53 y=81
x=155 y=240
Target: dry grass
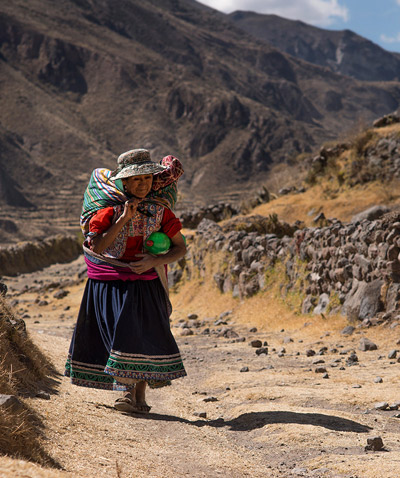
x=22 y=364
x=341 y=204
x=332 y=192
x=23 y=369
x=267 y=310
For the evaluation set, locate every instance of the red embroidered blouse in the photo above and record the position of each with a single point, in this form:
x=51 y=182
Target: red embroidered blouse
x=102 y=220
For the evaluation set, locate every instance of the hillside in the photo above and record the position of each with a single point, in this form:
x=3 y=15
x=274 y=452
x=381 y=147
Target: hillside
x=83 y=81
x=343 y=51
x=288 y=333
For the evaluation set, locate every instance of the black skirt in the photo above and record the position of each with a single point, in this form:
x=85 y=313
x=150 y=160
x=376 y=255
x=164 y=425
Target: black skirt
x=123 y=330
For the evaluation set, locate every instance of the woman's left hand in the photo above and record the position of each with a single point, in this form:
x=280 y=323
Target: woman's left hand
x=147 y=262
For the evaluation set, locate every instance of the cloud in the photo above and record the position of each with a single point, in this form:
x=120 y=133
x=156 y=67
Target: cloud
x=315 y=12
x=395 y=39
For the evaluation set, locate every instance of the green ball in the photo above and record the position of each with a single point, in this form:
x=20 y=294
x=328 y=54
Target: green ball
x=157 y=243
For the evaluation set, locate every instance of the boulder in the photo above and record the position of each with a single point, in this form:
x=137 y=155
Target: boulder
x=364 y=300
x=372 y=213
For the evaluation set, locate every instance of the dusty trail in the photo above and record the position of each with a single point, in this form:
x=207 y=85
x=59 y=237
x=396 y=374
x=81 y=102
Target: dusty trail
x=279 y=419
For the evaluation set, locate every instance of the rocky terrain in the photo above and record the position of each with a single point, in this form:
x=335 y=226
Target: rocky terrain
x=83 y=81
x=268 y=392
x=337 y=50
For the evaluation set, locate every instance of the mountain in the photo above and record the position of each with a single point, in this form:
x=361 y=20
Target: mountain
x=343 y=52
x=84 y=80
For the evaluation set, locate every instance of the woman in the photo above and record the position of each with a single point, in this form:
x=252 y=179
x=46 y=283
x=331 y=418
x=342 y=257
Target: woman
x=122 y=340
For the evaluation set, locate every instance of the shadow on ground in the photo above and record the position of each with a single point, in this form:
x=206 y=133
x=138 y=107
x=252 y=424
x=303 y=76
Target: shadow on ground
x=255 y=420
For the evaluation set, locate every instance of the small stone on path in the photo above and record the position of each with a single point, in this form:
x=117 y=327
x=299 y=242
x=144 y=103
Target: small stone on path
x=256 y=343
x=374 y=443
x=200 y=414
x=366 y=345
x=348 y=330
x=210 y=399
x=381 y=406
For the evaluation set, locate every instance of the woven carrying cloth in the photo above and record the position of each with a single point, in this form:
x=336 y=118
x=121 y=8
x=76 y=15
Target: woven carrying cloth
x=101 y=192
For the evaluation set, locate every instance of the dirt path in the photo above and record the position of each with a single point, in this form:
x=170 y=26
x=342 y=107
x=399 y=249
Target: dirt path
x=278 y=419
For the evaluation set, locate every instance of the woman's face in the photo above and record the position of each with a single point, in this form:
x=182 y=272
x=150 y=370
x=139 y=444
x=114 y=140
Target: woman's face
x=138 y=186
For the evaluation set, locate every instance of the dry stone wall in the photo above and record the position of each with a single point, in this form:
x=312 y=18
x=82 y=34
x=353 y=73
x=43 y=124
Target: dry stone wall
x=350 y=268
x=31 y=256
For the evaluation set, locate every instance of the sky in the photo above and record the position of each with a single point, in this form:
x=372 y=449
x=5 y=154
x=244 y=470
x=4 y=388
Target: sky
x=377 y=20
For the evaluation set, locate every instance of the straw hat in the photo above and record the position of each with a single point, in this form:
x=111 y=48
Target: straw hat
x=135 y=163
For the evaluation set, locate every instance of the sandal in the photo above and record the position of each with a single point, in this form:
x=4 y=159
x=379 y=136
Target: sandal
x=125 y=403
x=141 y=408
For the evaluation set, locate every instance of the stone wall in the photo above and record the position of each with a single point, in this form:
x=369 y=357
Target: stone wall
x=31 y=256
x=350 y=268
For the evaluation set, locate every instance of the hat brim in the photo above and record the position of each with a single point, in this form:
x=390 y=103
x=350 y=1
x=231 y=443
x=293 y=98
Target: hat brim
x=138 y=170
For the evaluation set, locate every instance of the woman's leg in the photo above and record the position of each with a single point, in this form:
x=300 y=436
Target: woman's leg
x=134 y=399
x=140 y=398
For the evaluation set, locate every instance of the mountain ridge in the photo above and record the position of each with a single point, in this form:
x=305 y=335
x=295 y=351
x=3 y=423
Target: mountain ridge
x=84 y=81
x=342 y=51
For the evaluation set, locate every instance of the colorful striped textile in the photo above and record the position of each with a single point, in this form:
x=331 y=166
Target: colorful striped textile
x=101 y=192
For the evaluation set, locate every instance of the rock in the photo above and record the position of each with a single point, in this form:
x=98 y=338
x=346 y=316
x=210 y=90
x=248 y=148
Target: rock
x=364 y=300
x=11 y=402
x=392 y=354
x=253 y=330
x=372 y=213
x=352 y=359
x=43 y=395
x=308 y=304
x=60 y=294
x=320 y=370
x=3 y=289
x=256 y=343
x=322 y=305
x=381 y=406
x=348 y=330
x=366 y=345
x=244 y=369
x=287 y=340
x=325 y=375
x=318 y=361
x=200 y=414
x=374 y=443
x=299 y=471
x=42 y=303
x=319 y=217
x=356 y=385
x=228 y=333
x=310 y=352
x=378 y=380
x=210 y=399
x=262 y=350
x=186 y=332
x=193 y=316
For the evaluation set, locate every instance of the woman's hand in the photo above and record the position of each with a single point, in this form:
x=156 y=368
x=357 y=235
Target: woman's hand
x=146 y=262
x=130 y=208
